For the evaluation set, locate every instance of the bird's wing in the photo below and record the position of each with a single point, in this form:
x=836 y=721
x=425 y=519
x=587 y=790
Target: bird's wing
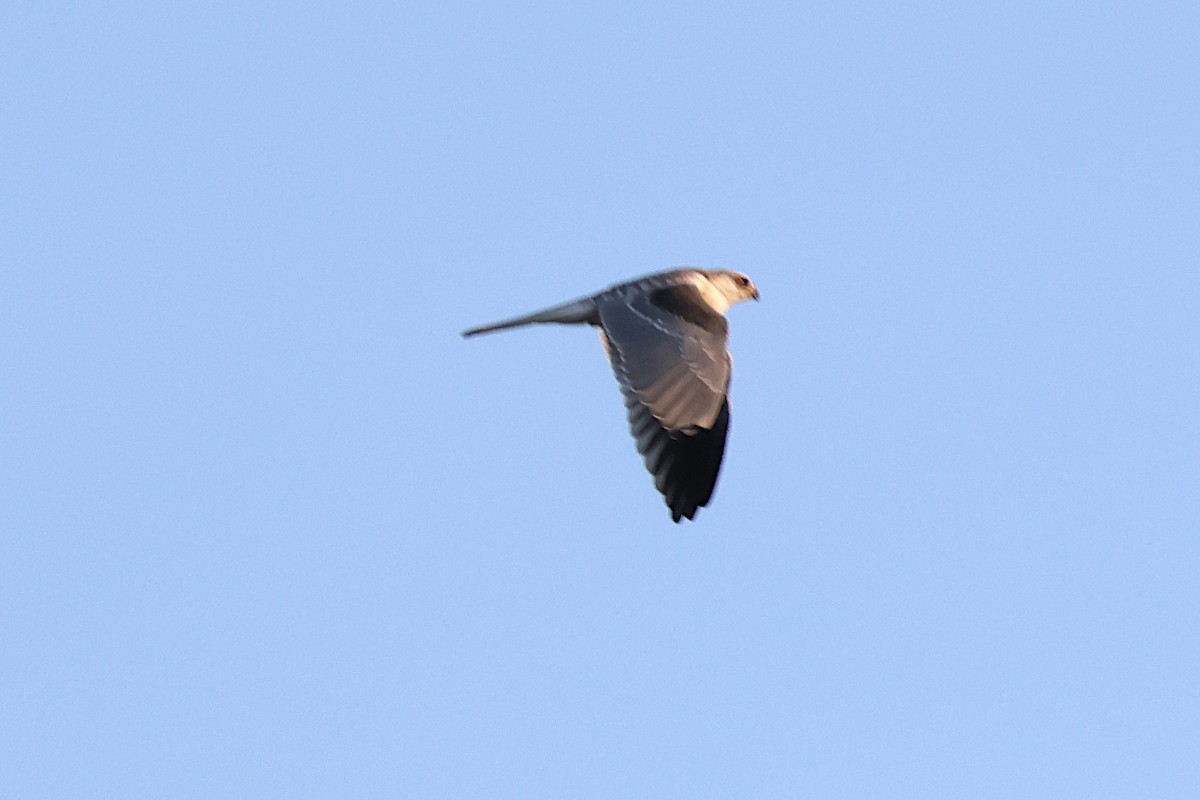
x=667 y=348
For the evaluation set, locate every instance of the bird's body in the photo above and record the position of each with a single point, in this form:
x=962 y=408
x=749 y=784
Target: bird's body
x=665 y=336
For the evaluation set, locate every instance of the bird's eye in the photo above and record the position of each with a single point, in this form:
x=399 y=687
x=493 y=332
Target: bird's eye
x=743 y=280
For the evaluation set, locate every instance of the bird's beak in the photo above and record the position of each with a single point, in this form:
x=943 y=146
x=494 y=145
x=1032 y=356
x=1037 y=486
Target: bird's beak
x=754 y=294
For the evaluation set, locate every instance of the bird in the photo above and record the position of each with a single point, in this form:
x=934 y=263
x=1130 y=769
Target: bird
x=665 y=336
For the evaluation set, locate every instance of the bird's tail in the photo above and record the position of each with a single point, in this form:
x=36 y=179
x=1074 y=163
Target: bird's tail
x=575 y=312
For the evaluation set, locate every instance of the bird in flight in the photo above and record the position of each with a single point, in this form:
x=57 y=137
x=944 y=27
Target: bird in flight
x=665 y=337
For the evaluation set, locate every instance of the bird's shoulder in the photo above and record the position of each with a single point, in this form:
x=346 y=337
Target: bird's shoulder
x=671 y=294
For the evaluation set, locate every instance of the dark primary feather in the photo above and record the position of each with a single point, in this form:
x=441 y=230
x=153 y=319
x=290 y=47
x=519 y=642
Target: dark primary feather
x=685 y=464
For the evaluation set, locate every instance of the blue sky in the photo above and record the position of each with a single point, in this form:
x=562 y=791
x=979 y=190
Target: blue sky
x=272 y=529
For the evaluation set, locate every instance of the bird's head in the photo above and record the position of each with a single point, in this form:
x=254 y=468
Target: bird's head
x=733 y=285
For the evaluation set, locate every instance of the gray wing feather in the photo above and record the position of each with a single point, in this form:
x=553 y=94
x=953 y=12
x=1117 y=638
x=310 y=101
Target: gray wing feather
x=677 y=369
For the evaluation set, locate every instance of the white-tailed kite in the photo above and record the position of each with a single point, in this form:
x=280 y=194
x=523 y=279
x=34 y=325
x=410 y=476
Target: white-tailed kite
x=665 y=336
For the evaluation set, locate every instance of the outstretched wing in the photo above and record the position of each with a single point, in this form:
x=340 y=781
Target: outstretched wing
x=667 y=349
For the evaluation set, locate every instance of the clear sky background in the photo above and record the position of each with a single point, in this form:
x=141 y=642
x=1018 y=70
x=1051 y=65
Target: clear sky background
x=270 y=528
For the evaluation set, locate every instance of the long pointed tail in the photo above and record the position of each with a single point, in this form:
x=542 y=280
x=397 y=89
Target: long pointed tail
x=575 y=312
